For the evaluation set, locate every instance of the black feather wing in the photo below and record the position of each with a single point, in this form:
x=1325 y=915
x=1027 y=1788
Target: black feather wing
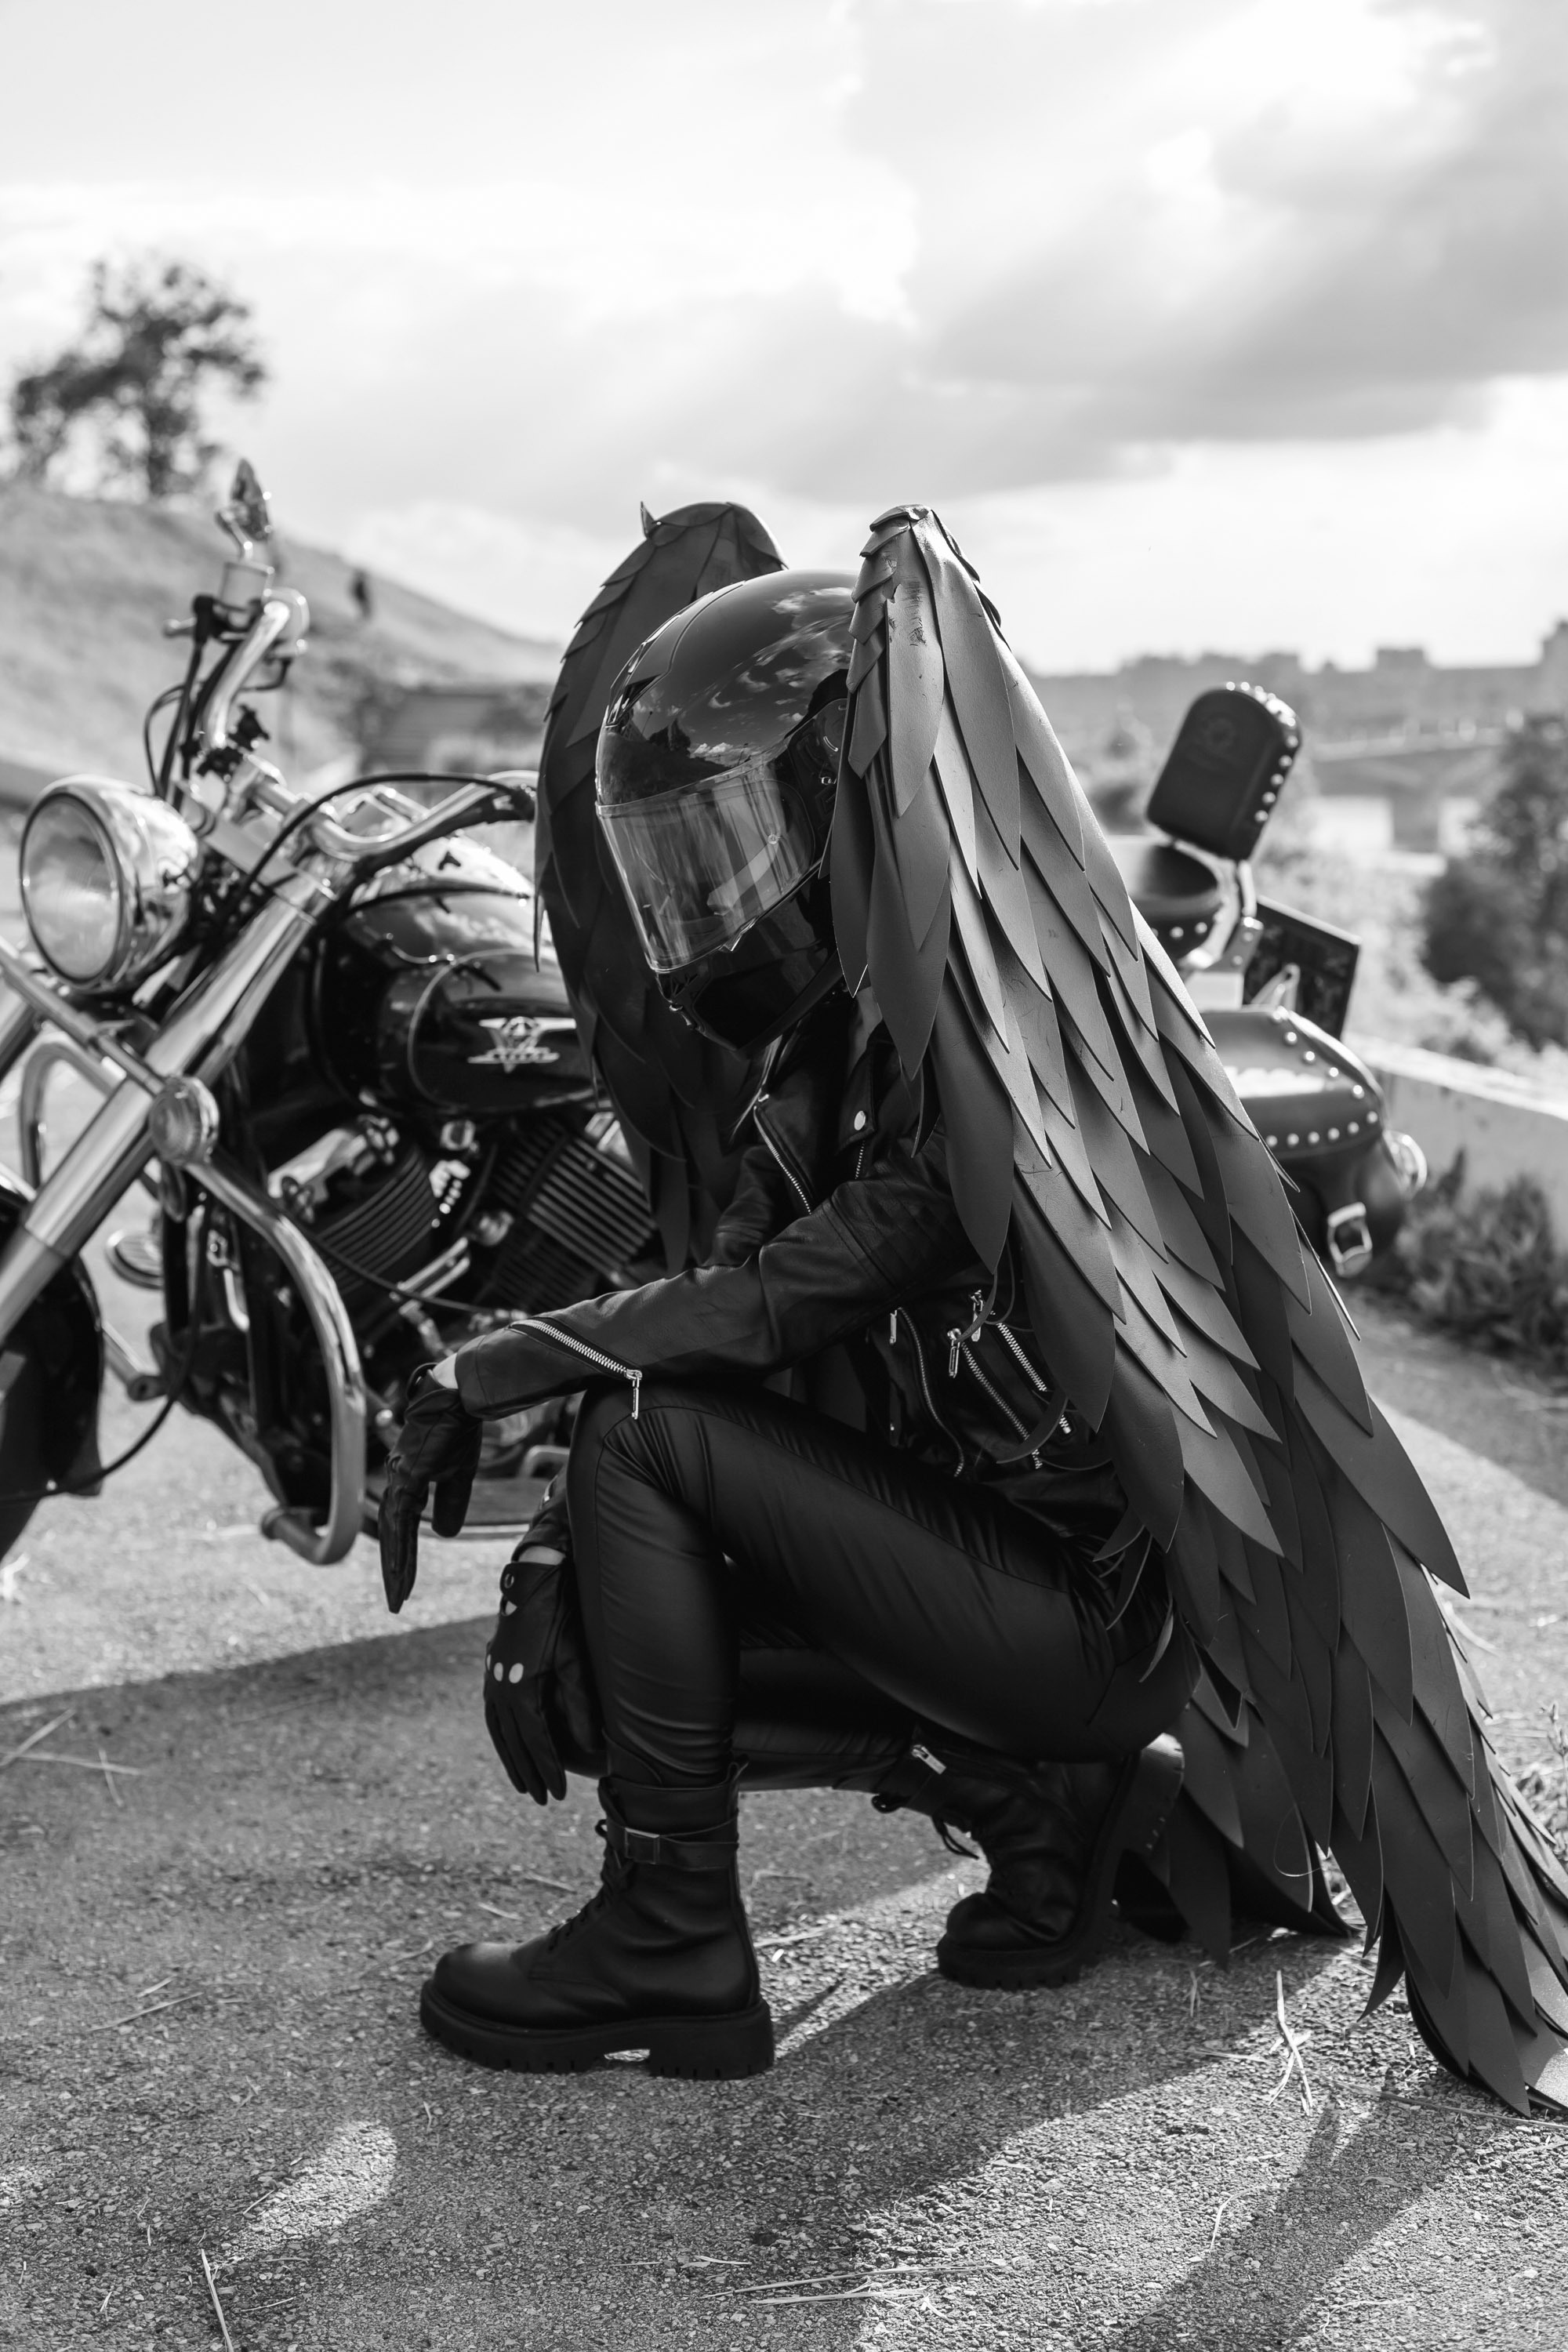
x=1091 y=1120
x=677 y=1095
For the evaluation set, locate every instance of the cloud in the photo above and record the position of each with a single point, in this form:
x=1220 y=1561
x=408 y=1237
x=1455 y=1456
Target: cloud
x=515 y=274
x=1332 y=256
x=963 y=248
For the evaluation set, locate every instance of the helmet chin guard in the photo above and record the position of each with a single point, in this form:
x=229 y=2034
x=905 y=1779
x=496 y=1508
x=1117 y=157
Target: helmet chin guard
x=746 y=999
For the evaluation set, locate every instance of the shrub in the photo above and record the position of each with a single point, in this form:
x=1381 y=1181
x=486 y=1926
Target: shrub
x=1499 y=915
x=1543 y=1782
x=1487 y=1268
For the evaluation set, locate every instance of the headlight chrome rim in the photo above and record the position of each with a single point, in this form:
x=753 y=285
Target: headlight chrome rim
x=151 y=858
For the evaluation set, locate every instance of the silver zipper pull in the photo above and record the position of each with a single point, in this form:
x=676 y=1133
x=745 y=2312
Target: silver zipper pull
x=977 y=1312
x=893 y=1328
x=954 y=1341
x=637 y=1394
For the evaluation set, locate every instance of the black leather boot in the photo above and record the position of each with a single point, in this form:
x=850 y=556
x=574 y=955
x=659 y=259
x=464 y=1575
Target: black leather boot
x=660 y=1959
x=1053 y=1834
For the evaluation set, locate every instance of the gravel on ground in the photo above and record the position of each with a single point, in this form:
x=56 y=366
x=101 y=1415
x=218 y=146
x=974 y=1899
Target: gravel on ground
x=211 y=1955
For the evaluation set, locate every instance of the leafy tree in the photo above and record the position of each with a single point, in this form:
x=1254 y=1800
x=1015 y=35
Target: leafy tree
x=157 y=338
x=1499 y=915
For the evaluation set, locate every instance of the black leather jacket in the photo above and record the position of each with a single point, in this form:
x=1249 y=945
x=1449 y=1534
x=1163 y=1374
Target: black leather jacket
x=842 y=1234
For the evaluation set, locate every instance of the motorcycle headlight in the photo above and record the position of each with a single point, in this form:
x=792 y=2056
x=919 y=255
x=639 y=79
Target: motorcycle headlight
x=107 y=875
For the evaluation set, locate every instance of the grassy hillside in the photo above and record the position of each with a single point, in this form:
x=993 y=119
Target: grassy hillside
x=87 y=584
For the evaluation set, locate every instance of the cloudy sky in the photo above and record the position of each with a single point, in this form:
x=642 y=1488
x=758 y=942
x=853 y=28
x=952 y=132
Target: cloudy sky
x=1206 y=322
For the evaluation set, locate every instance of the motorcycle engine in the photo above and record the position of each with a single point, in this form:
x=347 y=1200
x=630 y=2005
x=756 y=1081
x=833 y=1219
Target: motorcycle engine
x=367 y=1197
x=562 y=1213
x=577 y=1215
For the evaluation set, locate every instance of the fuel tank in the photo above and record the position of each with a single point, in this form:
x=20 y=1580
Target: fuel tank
x=428 y=996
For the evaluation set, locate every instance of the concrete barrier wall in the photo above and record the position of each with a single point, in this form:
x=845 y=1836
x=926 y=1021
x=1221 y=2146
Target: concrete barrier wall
x=1505 y=1126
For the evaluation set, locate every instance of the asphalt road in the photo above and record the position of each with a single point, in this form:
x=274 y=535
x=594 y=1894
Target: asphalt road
x=211 y=1957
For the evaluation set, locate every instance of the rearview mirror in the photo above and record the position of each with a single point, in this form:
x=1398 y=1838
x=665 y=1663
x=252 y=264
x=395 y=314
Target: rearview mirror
x=247 y=517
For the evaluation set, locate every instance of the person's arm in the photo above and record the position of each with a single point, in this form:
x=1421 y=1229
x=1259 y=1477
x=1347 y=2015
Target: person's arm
x=877 y=1242
x=763 y=1204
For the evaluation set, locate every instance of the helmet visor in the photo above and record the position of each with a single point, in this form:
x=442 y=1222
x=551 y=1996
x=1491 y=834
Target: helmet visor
x=700 y=864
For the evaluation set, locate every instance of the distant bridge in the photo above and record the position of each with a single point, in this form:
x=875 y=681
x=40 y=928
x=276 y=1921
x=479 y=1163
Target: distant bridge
x=1454 y=765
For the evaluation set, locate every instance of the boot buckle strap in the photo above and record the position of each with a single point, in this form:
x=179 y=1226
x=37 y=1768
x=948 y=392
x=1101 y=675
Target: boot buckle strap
x=713 y=1849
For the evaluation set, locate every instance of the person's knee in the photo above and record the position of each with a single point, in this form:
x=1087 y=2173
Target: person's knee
x=652 y=1444
x=604 y=1406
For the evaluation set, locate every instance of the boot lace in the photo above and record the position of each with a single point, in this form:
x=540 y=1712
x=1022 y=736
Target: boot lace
x=614 y=1870
x=954 y=1844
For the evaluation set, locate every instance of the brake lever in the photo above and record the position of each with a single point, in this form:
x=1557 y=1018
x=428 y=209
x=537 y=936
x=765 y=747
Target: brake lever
x=478 y=805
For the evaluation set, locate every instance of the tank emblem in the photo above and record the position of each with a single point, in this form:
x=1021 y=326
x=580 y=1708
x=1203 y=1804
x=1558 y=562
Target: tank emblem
x=521 y=1041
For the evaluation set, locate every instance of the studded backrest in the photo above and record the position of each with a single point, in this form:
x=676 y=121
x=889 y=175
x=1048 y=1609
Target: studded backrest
x=1232 y=754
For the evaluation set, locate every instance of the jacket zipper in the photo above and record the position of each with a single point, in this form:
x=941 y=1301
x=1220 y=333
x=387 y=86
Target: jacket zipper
x=956 y=1338
x=959 y=1350
x=931 y=1400
x=580 y=1348
x=1035 y=1380
x=1040 y=1387
x=962 y=1349
x=998 y=1399
x=785 y=1170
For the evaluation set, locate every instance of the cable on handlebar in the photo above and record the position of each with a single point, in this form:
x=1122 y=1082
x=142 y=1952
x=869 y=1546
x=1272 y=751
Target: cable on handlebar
x=172 y=741
x=308 y=809
x=154 y=767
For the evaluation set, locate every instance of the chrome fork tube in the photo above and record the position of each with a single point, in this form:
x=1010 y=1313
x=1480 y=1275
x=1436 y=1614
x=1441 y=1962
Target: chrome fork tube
x=112 y=1150
x=18 y=1027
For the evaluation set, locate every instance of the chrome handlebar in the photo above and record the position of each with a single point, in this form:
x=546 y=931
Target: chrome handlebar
x=284 y=613
x=471 y=805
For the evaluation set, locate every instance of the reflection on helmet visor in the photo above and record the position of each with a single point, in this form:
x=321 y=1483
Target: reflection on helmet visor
x=700 y=864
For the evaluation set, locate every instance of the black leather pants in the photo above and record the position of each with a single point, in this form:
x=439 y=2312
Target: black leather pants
x=763 y=1583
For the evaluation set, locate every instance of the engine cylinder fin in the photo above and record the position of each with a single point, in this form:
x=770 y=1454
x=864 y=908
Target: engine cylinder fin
x=581 y=1216
x=588 y=1203
x=389 y=1231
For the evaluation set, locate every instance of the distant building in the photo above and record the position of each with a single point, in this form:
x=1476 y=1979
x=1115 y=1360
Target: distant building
x=1401 y=753
x=468 y=727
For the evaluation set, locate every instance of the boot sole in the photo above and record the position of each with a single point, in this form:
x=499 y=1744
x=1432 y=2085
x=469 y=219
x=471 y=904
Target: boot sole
x=706 y=2049
x=1134 y=1826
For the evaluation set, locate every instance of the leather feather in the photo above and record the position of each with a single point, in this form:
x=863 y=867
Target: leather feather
x=677 y=1096
x=1089 y=1118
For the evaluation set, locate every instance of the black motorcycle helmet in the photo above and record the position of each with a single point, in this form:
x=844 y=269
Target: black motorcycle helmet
x=717 y=766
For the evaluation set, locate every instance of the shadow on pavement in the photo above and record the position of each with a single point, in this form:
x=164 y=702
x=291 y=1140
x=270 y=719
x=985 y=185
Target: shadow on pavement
x=213 y=1980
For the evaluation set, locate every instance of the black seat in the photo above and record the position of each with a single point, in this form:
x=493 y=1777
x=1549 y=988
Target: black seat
x=1177 y=893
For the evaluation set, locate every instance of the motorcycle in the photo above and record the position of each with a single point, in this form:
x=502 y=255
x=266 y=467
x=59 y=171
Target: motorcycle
x=331 y=1038
x=1273 y=984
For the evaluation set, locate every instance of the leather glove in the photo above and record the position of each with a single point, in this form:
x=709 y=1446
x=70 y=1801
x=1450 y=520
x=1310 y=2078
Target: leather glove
x=440 y=1447
x=540 y=1701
